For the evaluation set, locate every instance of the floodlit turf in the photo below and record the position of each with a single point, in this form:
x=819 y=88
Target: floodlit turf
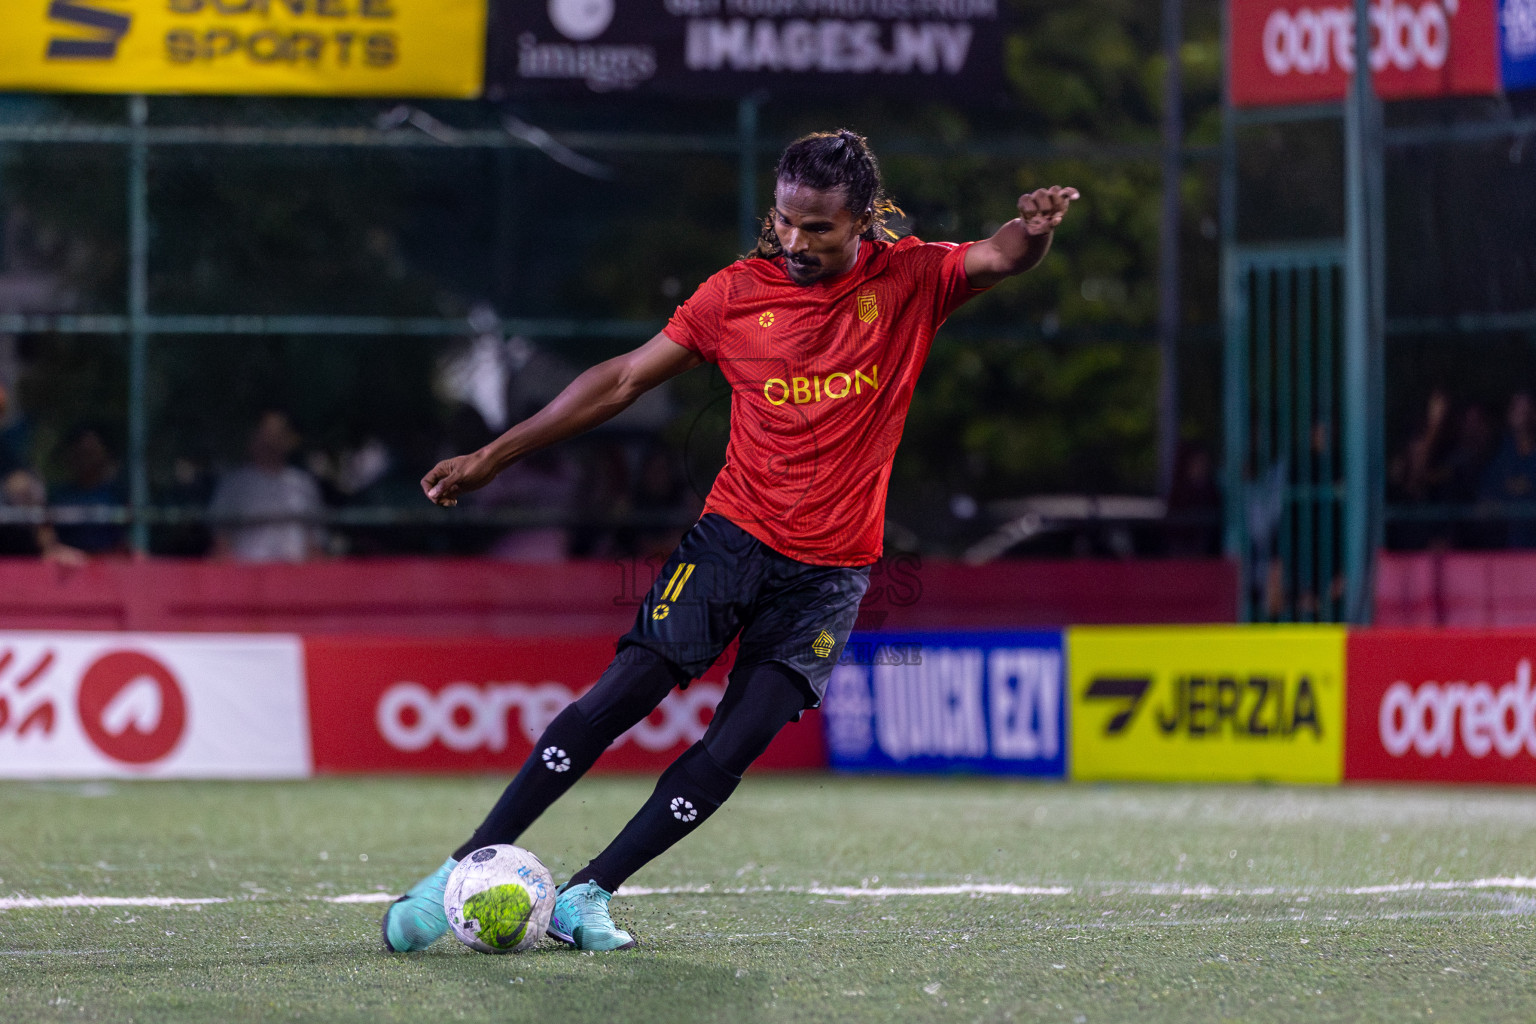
x=1153 y=904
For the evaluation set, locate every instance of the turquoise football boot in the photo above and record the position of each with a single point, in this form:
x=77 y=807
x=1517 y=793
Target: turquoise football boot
x=417 y=919
x=581 y=919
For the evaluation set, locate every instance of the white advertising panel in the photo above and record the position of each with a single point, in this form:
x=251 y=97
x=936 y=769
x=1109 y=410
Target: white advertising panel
x=91 y=705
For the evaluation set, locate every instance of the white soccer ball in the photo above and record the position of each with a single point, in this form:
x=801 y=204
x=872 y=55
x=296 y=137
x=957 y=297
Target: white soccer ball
x=499 y=899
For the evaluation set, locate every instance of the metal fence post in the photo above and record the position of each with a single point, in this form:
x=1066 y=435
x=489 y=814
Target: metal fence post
x=1362 y=330
x=1168 y=298
x=138 y=323
x=1234 y=391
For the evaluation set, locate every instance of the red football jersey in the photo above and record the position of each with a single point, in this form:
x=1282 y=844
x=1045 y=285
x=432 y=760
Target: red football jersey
x=821 y=378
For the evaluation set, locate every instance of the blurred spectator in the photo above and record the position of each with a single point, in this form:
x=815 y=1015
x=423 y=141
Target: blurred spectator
x=605 y=500
x=15 y=437
x=268 y=511
x=190 y=485
x=21 y=489
x=1511 y=476
x=1316 y=597
x=1194 y=506
x=544 y=485
x=93 y=483
x=1265 y=510
x=1419 y=473
x=662 y=492
x=1465 y=466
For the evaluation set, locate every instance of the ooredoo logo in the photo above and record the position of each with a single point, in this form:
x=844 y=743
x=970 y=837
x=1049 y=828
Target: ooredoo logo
x=465 y=717
x=1315 y=41
x=1429 y=718
x=131 y=707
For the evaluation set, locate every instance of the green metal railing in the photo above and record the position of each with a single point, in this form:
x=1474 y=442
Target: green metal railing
x=1286 y=519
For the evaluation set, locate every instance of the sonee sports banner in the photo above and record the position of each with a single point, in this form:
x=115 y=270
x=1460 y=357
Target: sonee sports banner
x=739 y=47
x=1207 y=703
x=935 y=702
x=247 y=47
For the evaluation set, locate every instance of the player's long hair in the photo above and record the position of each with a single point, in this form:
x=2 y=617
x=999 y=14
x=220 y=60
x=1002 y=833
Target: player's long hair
x=826 y=161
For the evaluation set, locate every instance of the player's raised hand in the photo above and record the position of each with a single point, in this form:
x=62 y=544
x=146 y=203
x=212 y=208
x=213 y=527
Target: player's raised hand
x=1042 y=210
x=450 y=478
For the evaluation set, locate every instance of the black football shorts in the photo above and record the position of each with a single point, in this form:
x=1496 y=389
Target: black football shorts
x=722 y=581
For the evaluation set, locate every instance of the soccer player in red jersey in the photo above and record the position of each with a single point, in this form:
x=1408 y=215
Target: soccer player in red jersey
x=821 y=332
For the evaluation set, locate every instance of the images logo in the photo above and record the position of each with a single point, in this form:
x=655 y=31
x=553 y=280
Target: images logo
x=131 y=707
x=108 y=27
x=581 y=19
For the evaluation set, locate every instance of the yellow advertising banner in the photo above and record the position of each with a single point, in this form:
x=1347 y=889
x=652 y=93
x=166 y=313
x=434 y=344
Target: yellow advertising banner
x=1207 y=703
x=249 y=47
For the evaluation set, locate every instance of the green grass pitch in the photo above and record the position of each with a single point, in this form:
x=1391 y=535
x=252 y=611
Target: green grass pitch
x=807 y=898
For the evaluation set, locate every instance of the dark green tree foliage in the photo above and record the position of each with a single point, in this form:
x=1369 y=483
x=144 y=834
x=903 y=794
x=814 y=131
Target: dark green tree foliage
x=1048 y=384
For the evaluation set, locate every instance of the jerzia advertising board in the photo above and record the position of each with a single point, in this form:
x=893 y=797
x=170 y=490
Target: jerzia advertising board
x=294 y=47
x=1207 y=703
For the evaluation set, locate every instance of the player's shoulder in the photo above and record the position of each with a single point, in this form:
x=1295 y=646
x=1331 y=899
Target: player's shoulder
x=908 y=252
x=747 y=271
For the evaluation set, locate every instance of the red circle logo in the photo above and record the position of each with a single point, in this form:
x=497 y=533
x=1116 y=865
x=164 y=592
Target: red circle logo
x=131 y=707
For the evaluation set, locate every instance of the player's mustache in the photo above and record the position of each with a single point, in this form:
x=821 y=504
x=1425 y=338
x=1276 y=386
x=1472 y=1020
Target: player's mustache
x=804 y=261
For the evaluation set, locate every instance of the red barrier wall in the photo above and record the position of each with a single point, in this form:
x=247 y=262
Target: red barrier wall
x=459 y=597
x=478 y=705
x=1463 y=588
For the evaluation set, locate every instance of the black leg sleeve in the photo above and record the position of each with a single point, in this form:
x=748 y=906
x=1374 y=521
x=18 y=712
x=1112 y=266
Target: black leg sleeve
x=635 y=682
x=757 y=704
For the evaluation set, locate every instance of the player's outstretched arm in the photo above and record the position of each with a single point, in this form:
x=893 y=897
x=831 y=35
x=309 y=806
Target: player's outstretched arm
x=596 y=396
x=1022 y=243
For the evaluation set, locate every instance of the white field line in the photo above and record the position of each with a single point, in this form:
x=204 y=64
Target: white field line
x=1516 y=882
x=37 y=902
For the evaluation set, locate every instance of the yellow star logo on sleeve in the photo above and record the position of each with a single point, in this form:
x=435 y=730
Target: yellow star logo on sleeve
x=765 y=319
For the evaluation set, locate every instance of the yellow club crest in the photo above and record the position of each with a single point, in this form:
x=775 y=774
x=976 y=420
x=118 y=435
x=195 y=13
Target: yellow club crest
x=765 y=318
x=823 y=644
x=869 y=309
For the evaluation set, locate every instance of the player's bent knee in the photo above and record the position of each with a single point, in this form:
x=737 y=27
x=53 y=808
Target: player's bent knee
x=635 y=682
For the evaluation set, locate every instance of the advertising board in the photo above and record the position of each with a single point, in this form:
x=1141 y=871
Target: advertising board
x=294 y=47
x=1302 y=51
x=741 y=47
x=92 y=705
x=1207 y=703
x=938 y=702
x=380 y=704
x=1517 y=43
x=1442 y=706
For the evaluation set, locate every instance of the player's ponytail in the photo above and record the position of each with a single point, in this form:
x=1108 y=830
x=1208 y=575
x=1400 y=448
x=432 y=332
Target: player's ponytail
x=826 y=161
